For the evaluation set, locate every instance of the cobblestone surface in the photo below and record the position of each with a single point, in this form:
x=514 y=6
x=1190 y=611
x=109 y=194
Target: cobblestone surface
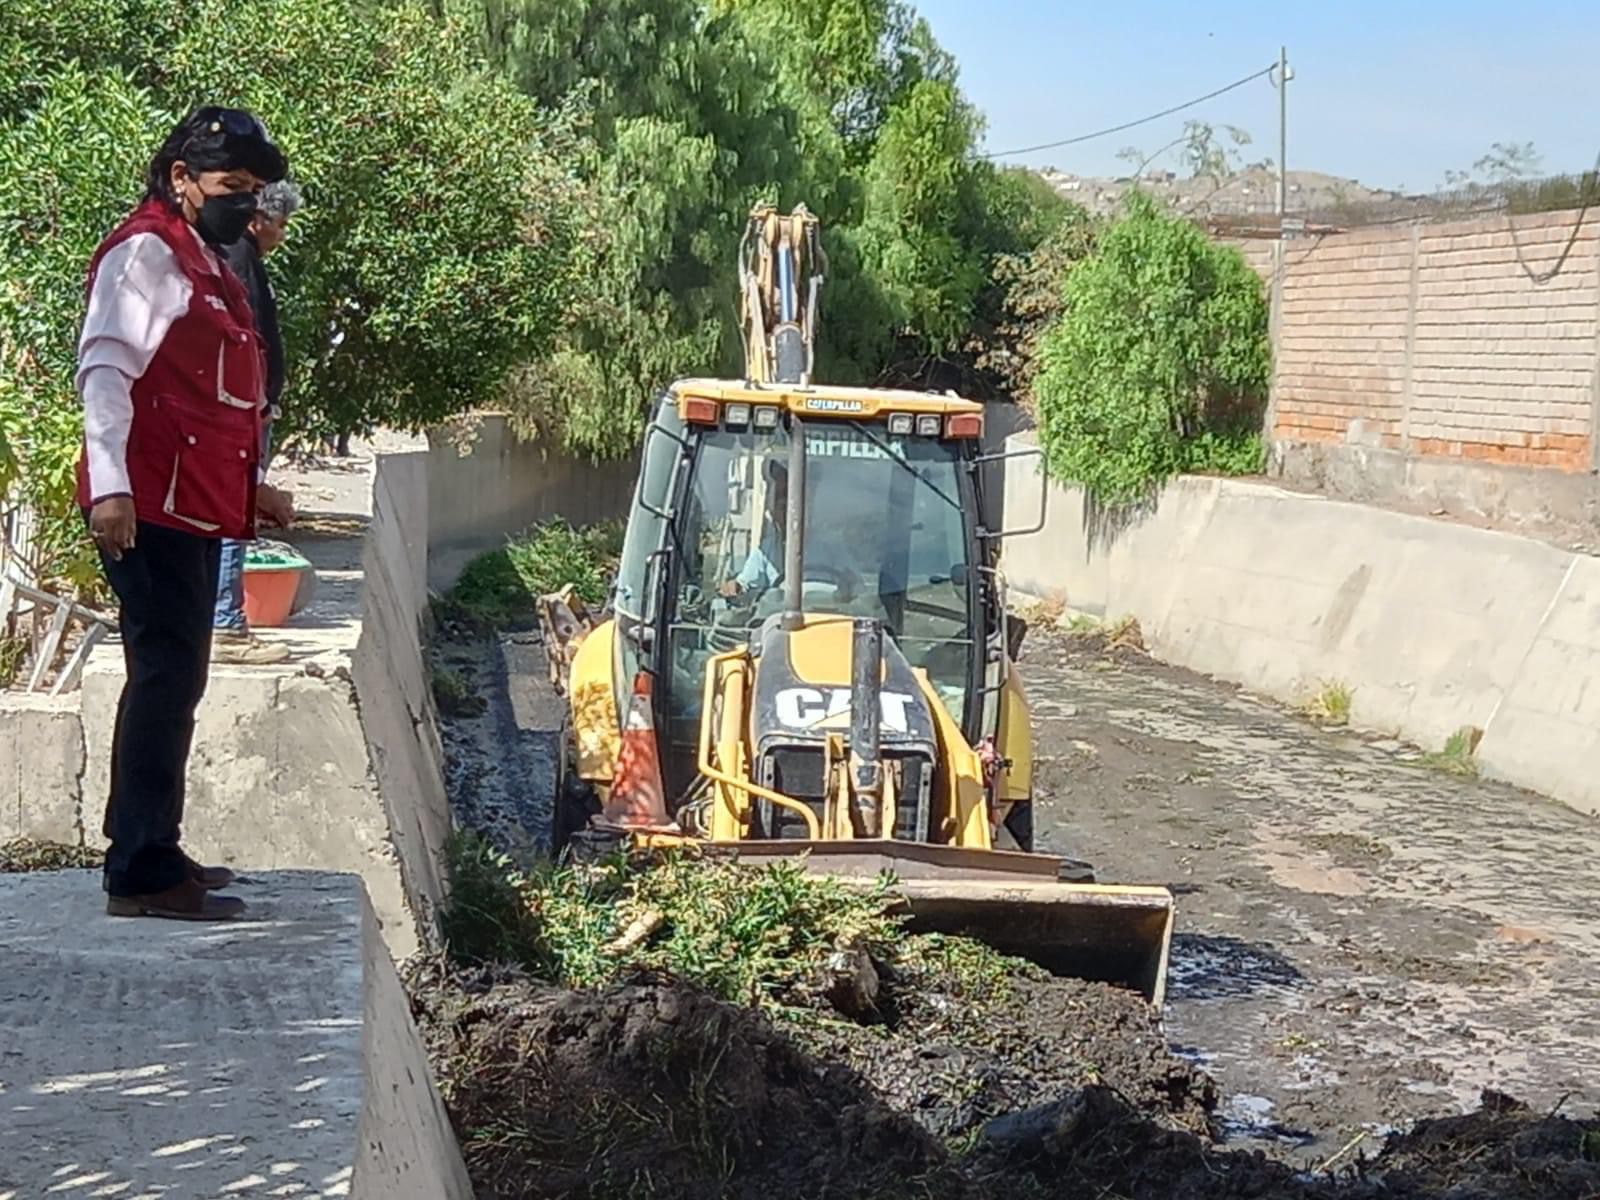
x=1362 y=938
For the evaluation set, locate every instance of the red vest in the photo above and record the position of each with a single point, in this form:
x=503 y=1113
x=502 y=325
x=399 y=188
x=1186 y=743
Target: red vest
x=195 y=444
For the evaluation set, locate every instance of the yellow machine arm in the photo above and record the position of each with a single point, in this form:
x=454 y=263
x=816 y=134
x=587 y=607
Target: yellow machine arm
x=781 y=269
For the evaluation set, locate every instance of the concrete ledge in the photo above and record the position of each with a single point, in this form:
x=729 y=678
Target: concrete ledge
x=41 y=768
x=1434 y=626
x=273 y=1056
x=313 y=763
x=332 y=760
x=1536 y=501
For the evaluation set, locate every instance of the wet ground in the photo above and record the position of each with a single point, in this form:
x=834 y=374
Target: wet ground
x=1362 y=938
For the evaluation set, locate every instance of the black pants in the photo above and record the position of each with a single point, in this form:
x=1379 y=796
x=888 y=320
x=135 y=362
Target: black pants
x=167 y=586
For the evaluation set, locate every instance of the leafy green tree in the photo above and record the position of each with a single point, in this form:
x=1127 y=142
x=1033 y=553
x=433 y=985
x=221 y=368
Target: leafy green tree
x=1027 y=278
x=1159 y=363
x=439 y=246
x=699 y=110
x=689 y=128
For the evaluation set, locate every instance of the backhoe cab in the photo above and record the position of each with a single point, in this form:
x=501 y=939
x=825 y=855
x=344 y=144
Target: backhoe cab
x=810 y=639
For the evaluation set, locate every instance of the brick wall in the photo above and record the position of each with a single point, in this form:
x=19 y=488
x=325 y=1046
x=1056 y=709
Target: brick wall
x=1433 y=342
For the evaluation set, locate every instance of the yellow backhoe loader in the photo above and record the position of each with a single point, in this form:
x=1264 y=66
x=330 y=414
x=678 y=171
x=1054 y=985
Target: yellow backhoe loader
x=810 y=631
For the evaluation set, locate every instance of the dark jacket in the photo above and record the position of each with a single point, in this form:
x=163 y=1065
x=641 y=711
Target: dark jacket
x=245 y=258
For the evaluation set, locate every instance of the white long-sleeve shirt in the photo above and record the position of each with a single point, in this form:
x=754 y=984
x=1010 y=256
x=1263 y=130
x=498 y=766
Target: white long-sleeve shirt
x=138 y=292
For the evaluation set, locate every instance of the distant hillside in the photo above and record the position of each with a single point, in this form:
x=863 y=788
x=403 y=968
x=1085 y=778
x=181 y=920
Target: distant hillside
x=1252 y=191
x=1244 y=197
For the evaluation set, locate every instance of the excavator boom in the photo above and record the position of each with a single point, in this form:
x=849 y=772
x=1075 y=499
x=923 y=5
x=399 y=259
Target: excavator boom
x=781 y=271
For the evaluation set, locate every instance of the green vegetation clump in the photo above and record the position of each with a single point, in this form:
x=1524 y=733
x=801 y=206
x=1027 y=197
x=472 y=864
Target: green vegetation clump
x=1460 y=753
x=1159 y=363
x=761 y=937
x=499 y=589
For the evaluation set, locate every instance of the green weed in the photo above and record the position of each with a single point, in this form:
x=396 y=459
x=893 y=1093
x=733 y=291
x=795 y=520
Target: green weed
x=454 y=695
x=756 y=936
x=498 y=589
x=1331 y=705
x=14 y=650
x=1459 y=756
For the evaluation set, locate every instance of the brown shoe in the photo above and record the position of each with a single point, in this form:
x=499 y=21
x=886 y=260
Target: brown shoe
x=187 y=901
x=211 y=878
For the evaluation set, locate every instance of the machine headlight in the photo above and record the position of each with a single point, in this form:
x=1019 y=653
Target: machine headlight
x=900 y=424
x=737 y=416
x=766 y=417
x=928 y=425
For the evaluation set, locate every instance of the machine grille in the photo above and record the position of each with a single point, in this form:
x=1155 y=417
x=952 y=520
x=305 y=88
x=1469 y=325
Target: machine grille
x=797 y=771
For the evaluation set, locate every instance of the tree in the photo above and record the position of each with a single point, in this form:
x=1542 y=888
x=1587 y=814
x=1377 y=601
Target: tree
x=689 y=127
x=1027 y=294
x=428 y=260
x=700 y=110
x=1159 y=363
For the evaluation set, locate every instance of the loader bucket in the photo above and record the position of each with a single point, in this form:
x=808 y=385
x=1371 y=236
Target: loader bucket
x=1011 y=901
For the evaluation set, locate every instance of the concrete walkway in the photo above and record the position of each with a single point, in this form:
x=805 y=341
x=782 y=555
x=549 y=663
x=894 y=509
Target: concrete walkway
x=269 y=1057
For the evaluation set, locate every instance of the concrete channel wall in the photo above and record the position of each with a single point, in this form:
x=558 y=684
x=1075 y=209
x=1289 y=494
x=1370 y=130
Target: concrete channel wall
x=1434 y=626
x=485 y=483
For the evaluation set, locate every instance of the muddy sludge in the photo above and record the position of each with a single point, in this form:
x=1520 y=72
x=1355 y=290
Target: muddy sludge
x=654 y=1088
x=651 y=1088
x=956 y=1063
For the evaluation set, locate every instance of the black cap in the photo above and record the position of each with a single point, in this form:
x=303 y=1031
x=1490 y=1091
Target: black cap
x=230 y=139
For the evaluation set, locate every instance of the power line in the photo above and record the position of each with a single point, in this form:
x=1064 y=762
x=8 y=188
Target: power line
x=1166 y=112
x=1541 y=278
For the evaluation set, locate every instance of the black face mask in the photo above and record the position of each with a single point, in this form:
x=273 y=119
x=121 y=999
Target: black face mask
x=223 y=219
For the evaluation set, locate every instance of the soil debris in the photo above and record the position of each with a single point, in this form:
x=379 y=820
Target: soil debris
x=27 y=854
x=653 y=1088
x=958 y=1063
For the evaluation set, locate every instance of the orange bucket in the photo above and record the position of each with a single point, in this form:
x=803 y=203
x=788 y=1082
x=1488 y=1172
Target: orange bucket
x=272 y=581
x=269 y=595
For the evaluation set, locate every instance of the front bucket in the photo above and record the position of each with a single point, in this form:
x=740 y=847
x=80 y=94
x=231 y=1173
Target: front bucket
x=1010 y=901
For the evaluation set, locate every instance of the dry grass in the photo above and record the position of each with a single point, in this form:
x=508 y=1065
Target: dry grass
x=1331 y=705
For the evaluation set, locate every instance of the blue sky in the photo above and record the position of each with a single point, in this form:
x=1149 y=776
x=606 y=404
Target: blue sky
x=1393 y=94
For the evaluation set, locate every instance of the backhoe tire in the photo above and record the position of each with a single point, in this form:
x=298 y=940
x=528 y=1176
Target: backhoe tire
x=571 y=807
x=1019 y=824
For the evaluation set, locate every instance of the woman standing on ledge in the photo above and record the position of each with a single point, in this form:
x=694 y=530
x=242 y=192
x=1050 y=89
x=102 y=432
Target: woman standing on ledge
x=172 y=378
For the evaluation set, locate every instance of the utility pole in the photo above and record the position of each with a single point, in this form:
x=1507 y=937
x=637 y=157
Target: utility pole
x=1275 y=312
x=1284 y=75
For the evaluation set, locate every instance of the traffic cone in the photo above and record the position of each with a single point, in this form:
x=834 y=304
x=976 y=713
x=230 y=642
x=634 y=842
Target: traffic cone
x=637 y=800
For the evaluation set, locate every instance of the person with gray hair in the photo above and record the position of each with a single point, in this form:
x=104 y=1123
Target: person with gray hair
x=232 y=640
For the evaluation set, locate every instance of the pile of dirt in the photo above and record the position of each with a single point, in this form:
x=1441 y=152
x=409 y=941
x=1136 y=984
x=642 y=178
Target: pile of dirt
x=654 y=1088
x=1093 y=1143
x=1502 y=1150
x=963 y=1065
x=651 y=1088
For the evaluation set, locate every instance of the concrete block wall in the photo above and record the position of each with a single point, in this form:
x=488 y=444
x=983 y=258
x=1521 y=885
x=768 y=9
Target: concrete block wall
x=1435 y=364
x=1434 y=626
x=1440 y=340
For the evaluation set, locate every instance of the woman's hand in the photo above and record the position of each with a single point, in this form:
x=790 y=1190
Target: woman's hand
x=275 y=505
x=112 y=523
